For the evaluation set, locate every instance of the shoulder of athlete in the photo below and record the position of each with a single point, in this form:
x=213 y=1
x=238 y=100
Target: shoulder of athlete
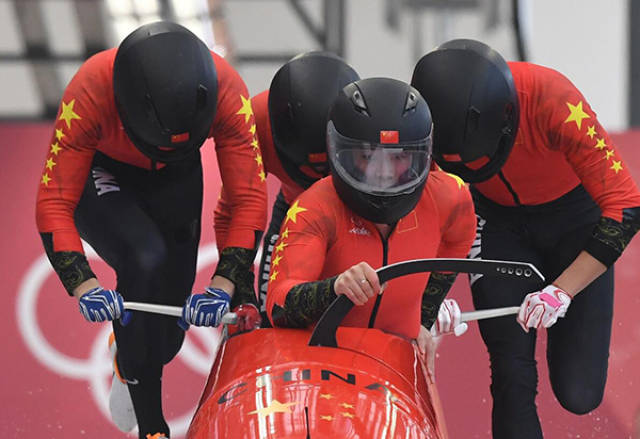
x=444 y=191
x=320 y=198
x=94 y=79
x=439 y=181
x=228 y=77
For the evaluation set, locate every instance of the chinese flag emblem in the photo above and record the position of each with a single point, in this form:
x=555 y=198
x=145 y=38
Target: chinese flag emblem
x=389 y=137
x=177 y=138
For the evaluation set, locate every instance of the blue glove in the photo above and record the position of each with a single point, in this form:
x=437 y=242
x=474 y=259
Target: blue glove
x=99 y=305
x=205 y=309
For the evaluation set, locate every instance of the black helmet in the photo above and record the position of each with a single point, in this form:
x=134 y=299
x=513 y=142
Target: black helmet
x=379 y=147
x=475 y=109
x=166 y=90
x=300 y=95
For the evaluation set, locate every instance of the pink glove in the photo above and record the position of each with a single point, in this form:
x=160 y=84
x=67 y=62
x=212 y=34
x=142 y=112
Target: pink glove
x=448 y=321
x=543 y=307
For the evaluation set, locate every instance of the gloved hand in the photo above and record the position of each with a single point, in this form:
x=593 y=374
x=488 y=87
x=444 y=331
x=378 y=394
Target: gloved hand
x=543 y=307
x=248 y=319
x=99 y=305
x=205 y=309
x=448 y=321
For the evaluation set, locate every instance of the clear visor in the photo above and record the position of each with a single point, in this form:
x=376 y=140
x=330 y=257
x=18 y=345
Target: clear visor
x=377 y=168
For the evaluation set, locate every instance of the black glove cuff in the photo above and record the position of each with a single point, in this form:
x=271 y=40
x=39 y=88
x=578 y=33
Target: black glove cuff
x=72 y=267
x=305 y=303
x=436 y=290
x=611 y=237
x=236 y=264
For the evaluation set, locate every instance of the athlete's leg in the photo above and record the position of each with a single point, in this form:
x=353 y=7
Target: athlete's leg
x=176 y=206
x=174 y=200
x=514 y=375
x=117 y=226
x=578 y=344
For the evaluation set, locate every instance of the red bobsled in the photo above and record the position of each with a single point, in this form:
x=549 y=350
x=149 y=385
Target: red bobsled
x=338 y=383
x=270 y=384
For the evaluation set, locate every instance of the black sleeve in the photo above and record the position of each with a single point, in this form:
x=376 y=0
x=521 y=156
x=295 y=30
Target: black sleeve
x=72 y=267
x=305 y=304
x=236 y=264
x=611 y=237
x=436 y=290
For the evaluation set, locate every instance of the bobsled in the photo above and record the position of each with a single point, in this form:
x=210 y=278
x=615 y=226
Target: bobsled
x=270 y=383
x=331 y=381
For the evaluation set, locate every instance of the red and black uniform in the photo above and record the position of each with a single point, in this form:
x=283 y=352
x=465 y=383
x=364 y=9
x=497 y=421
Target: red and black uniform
x=143 y=217
x=563 y=189
x=289 y=190
x=321 y=238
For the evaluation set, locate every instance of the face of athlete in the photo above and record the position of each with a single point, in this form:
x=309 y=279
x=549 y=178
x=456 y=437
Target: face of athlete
x=382 y=168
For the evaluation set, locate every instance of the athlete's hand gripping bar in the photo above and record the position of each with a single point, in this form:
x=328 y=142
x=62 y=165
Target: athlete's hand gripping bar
x=175 y=311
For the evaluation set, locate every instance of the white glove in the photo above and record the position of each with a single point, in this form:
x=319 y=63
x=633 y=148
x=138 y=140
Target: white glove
x=543 y=307
x=448 y=321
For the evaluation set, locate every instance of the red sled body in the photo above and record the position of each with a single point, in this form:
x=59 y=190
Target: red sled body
x=269 y=383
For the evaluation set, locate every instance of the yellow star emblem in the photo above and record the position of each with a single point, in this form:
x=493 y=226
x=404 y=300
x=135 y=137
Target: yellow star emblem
x=326 y=418
x=280 y=246
x=347 y=415
x=326 y=395
x=576 y=114
x=252 y=130
x=275 y=407
x=59 y=134
x=258 y=159
x=600 y=144
x=457 y=179
x=246 y=109
x=608 y=153
x=50 y=164
x=45 y=179
x=55 y=148
x=275 y=262
x=347 y=406
x=293 y=211
x=255 y=144
x=67 y=113
x=285 y=234
x=273 y=276
x=262 y=175
x=617 y=166
x=591 y=131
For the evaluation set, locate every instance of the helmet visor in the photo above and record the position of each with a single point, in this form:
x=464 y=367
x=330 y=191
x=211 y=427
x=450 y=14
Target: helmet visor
x=379 y=168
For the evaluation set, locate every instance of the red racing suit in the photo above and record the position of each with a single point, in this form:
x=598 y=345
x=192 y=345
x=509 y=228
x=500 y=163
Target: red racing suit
x=88 y=121
x=560 y=144
x=321 y=238
x=563 y=189
x=268 y=158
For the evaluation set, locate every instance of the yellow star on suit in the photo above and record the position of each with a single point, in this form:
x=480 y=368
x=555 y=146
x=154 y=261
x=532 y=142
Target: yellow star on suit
x=67 y=113
x=293 y=211
x=246 y=109
x=576 y=114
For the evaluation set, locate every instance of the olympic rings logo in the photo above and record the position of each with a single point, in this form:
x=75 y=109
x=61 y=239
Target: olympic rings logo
x=96 y=369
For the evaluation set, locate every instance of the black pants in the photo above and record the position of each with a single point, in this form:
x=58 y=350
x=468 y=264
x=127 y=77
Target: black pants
x=146 y=226
x=278 y=213
x=550 y=236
